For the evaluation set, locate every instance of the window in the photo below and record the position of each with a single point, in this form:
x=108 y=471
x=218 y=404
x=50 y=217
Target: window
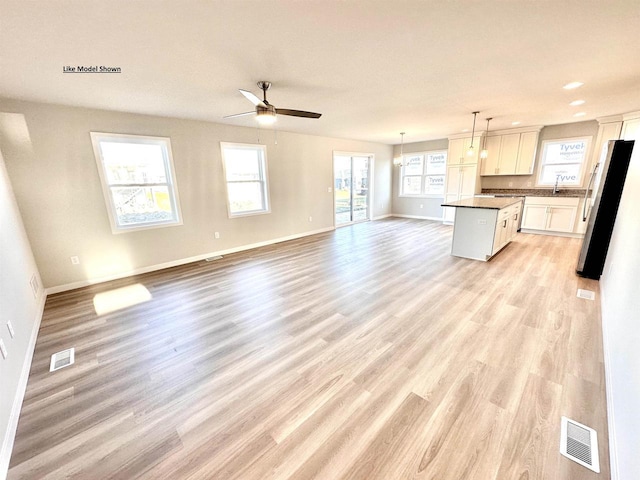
x=245 y=170
x=423 y=174
x=562 y=161
x=138 y=181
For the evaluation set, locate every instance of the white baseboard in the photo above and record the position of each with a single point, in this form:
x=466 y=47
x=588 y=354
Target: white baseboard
x=12 y=427
x=613 y=451
x=552 y=234
x=419 y=217
x=380 y=217
x=182 y=261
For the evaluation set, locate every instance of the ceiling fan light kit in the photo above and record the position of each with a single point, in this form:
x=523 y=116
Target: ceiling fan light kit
x=265 y=113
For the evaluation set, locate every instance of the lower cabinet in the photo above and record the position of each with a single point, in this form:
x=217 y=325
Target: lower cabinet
x=480 y=233
x=552 y=214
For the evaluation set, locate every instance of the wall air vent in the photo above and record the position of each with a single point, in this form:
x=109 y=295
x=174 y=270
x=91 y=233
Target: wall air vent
x=62 y=359
x=580 y=444
x=586 y=294
x=212 y=259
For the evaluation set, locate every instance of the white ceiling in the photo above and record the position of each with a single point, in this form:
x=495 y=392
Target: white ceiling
x=373 y=68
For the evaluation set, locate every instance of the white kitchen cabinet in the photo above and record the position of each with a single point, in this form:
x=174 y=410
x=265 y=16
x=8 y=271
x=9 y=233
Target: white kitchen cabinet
x=550 y=214
x=458 y=148
x=490 y=164
x=527 y=153
x=510 y=153
x=461 y=182
x=483 y=226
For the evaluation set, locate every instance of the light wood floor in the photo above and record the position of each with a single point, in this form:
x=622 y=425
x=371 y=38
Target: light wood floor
x=364 y=353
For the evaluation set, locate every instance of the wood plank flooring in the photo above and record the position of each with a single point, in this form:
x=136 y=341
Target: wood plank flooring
x=364 y=353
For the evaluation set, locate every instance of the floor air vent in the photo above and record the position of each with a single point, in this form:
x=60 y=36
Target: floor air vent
x=586 y=294
x=580 y=444
x=62 y=359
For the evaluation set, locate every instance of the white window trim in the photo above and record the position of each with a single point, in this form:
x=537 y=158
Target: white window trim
x=401 y=176
x=265 y=180
x=583 y=165
x=106 y=191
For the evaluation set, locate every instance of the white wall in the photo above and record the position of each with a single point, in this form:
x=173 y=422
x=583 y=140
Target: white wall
x=620 y=288
x=18 y=305
x=52 y=168
x=412 y=206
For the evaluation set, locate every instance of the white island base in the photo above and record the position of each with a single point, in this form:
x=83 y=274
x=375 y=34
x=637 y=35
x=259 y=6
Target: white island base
x=484 y=226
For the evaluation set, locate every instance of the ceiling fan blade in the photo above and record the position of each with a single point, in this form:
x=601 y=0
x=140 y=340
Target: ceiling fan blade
x=240 y=114
x=252 y=98
x=297 y=113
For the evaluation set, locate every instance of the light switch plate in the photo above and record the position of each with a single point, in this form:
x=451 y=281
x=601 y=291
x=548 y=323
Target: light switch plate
x=3 y=349
x=11 y=331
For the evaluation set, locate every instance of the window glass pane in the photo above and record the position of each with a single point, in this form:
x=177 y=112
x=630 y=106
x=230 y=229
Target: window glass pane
x=436 y=163
x=565 y=174
x=565 y=152
x=413 y=165
x=434 y=184
x=133 y=162
x=136 y=205
x=412 y=185
x=242 y=164
x=245 y=197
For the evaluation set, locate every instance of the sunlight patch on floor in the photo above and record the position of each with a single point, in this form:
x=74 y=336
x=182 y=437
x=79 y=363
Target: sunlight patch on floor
x=113 y=300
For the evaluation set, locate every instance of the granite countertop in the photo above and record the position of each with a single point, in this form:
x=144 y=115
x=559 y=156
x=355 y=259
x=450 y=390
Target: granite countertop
x=496 y=203
x=533 y=192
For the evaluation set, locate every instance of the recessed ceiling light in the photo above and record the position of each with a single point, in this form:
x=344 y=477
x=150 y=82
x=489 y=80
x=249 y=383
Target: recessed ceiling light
x=515 y=123
x=572 y=85
x=575 y=103
x=580 y=114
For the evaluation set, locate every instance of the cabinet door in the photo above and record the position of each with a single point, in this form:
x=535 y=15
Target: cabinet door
x=515 y=220
x=509 y=154
x=453 y=180
x=456 y=151
x=468 y=174
x=534 y=217
x=490 y=164
x=561 y=219
x=527 y=153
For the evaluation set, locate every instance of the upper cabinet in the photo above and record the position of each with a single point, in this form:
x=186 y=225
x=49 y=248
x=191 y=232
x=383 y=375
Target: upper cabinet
x=511 y=152
x=458 y=150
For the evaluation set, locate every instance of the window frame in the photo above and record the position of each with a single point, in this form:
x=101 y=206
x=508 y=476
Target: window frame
x=264 y=180
x=170 y=175
x=583 y=163
x=423 y=176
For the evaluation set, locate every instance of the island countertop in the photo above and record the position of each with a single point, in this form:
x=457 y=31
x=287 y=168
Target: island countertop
x=496 y=203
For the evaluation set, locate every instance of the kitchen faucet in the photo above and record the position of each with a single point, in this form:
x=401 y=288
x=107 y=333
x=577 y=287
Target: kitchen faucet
x=555 y=187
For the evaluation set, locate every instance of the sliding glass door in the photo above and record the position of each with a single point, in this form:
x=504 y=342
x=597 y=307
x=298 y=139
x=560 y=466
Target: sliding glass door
x=351 y=186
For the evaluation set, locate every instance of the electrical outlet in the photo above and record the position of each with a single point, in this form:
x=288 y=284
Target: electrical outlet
x=482 y=222
x=421 y=205
x=3 y=349
x=10 y=328
x=75 y=260
x=311 y=219
x=329 y=189
x=510 y=184
x=216 y=234
x=528 y=184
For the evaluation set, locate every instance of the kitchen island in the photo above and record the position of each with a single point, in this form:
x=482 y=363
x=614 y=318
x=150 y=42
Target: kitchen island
x=483 y=226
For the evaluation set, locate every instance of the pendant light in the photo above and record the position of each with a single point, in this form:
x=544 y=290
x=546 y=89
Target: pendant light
x=484 y=153
x=473 y=131
x=399 y=162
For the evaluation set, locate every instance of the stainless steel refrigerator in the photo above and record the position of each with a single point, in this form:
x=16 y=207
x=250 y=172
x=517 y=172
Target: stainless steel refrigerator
x=606 y=184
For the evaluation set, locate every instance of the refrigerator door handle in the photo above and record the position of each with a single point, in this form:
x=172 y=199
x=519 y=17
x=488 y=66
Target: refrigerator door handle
x=586 y=192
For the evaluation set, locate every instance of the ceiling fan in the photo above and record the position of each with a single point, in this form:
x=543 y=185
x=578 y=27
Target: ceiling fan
x=265 y=112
